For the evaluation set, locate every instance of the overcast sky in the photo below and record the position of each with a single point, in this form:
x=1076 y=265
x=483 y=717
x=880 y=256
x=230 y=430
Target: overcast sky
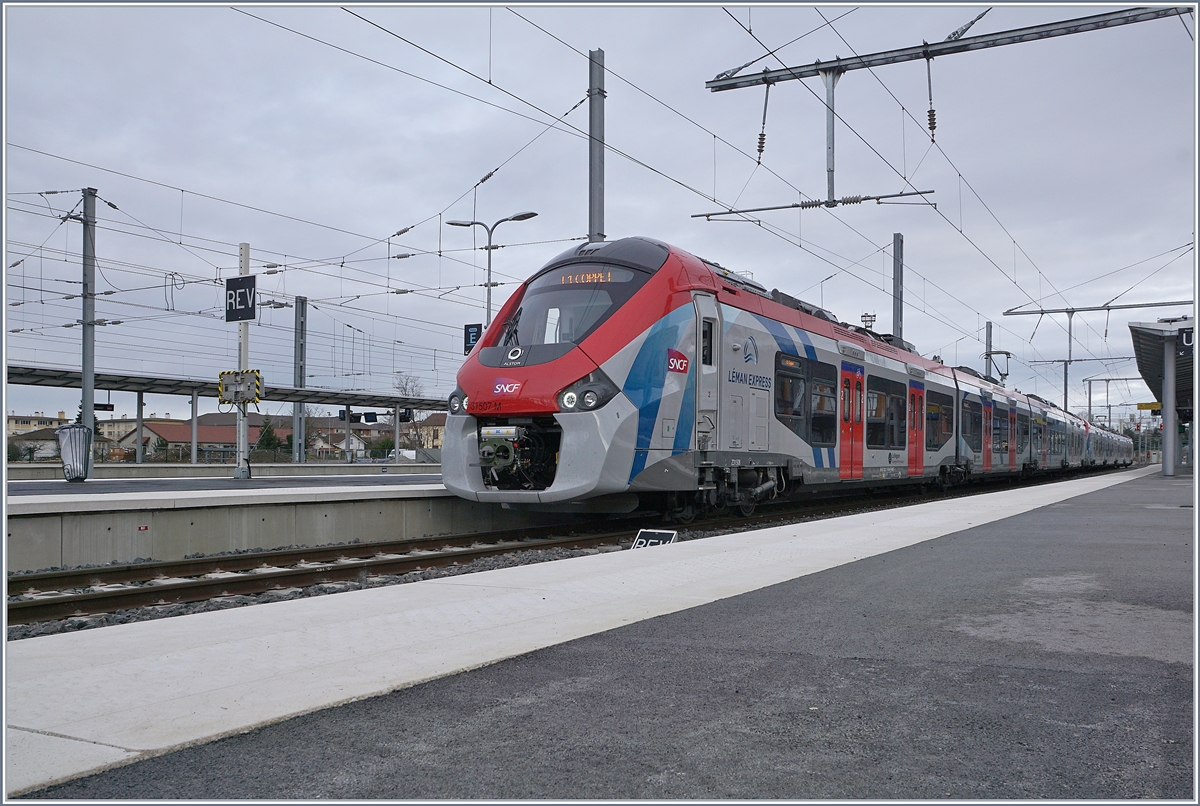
x=1064 y=174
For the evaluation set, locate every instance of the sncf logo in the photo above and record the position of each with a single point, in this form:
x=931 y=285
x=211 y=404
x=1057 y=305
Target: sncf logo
x=676 y=361
x=506 y=386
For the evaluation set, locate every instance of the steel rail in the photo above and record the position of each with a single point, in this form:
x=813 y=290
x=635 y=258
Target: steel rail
x=67 y=605
x=198 y=566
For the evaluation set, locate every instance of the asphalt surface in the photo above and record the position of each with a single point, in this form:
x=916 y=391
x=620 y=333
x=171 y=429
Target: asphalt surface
x=1049 y=655
x=177 y=485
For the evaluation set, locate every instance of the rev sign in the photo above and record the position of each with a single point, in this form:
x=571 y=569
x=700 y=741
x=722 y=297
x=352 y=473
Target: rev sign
x=239 y=299
x=653 y=537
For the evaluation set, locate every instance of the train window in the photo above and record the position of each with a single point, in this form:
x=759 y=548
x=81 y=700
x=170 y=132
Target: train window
x=823 y=412
x=972 y=424
x=939 y=421
x=846 y=400
x=566 y=304
x=912 y=411
x=789 y=394
x=552 y=326
x=858 y=402
x=920 y=409
x=885 y=413
x=1000 y=435
x=1022 y=433
x=1055 y=438
x=706 y=343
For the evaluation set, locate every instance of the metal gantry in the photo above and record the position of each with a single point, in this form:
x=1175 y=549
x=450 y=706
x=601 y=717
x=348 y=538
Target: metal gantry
x=1070 y=312
x=831 y=71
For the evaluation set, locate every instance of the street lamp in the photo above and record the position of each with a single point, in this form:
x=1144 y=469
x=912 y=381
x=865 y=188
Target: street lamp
x=490 y=230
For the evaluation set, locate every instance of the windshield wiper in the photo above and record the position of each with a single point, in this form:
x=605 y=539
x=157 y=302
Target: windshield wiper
x=511 y=336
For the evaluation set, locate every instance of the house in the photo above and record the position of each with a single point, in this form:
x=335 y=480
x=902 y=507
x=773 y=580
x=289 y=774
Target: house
x=426 y=433
x=330 y=446
x=116 y=427
x=24 y=423
x=368 y=432
x=42 y=445
x=212 y=441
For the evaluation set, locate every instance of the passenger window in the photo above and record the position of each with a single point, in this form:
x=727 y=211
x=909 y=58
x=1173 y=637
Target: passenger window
x=858 y=402
x=846 y=400
x=706 y=343
x=822 y=420
x=885 y=413
x=789 y=394
x=939 y=421
x=972 y=424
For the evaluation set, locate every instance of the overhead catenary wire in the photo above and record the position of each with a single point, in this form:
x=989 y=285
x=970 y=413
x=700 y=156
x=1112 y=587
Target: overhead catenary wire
x=907 y=180
x=439 y=286
x=963 y=180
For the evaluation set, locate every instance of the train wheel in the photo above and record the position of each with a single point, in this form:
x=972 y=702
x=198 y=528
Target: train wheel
x=746 y=508
x=680 y=509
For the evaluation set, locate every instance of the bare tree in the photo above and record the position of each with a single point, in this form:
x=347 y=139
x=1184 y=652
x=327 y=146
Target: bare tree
x=408 y=385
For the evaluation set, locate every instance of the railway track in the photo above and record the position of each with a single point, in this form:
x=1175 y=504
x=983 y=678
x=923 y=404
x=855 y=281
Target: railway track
x=88 y=592
x=60 y=594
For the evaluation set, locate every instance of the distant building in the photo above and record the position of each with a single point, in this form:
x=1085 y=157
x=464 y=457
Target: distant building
x=330 y=446
x=44 y=445
x=24 y=423
x=115 y=428
x=427 y=433
x=212 y=441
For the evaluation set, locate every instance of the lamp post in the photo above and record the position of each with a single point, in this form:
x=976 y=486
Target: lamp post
x=490 y=230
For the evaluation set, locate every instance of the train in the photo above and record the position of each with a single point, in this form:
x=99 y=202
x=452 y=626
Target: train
x=631 y=374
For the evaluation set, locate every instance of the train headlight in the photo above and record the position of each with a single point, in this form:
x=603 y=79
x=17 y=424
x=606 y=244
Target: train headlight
x=458 y=402
x=587 y=394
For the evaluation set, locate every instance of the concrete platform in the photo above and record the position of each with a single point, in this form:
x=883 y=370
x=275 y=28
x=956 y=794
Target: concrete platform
x=52 y=471
x=64 y=525
x=79 y=703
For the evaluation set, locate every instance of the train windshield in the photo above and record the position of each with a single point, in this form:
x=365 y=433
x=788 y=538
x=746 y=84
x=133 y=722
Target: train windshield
x=566 y=304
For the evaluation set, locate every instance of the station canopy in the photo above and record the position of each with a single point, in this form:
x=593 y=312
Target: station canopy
x=73 y=379
x=1148 y=340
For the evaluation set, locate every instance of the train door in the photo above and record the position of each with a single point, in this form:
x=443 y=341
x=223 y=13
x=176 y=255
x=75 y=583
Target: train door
x=989 y=434
x=1012 y=436
x=852 y=402
x=708 y=376
x=916 y=429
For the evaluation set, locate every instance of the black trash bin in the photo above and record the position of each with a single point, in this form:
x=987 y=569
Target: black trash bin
x=75 y=448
